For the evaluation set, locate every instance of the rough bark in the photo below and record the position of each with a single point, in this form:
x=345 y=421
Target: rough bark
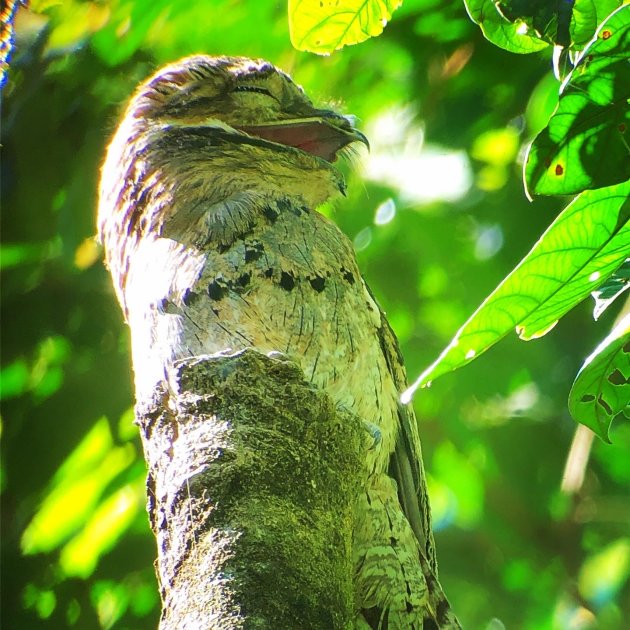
x=253 y=475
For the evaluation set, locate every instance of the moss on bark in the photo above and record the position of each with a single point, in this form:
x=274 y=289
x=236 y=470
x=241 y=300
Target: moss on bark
x=253 y=476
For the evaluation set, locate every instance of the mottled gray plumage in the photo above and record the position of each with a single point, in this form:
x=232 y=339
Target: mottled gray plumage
x=208 y=217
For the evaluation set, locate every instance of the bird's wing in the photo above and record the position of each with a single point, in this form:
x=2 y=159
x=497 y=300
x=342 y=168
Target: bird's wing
x=406 y=460
x=407 y=469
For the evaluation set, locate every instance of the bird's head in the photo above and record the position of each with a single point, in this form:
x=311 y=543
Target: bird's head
x=209 y=133
x=244 y=99
x=213 y=127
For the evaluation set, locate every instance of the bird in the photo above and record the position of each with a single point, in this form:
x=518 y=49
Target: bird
x=208 y=217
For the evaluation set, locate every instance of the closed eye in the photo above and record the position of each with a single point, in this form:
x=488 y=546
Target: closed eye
x=253 y=88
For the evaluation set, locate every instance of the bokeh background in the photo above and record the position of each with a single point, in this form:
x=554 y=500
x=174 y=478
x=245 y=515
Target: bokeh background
x=438 y=217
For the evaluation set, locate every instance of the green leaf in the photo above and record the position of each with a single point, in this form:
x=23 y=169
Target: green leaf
x=516 y=36
x=615 y=286
x=578 y=252
x=558 y=23
x=323 y=26
x=586 y=143
x=583 y=24
x=602 y=387
x=525 y=26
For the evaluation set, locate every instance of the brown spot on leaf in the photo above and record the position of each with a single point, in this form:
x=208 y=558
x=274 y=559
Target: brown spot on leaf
x=559 y=170
x=606 y=34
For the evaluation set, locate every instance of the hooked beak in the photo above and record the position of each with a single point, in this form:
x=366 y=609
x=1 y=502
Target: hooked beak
x=322 y=135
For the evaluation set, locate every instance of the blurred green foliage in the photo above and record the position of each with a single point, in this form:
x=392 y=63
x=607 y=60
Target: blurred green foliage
x=438 y=217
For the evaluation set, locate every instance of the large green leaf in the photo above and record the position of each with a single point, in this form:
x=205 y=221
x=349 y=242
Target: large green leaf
x=586 y=243
x=602 y=387
x=323 y=26
x=525 y=26
x=612 y=289
x=517 y=36
x=586 y=143
x=558 y=23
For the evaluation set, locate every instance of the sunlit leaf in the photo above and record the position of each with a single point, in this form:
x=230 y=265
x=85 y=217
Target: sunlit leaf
x=605 y=7
x=558 y=23
x=524 y=26
x=542 y=103
x=602 y=387
x=613 y=288
x=517 y=36
x=582 y=24
x=323 y=26
x=613 y=458
x=586 y=143
x=581 y=248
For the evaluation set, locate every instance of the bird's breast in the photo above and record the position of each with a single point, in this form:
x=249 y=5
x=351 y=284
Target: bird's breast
x=290 y=284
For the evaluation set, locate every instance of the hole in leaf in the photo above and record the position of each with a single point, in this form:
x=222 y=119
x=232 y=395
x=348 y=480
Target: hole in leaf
x=617 y=378
x=602 y=403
